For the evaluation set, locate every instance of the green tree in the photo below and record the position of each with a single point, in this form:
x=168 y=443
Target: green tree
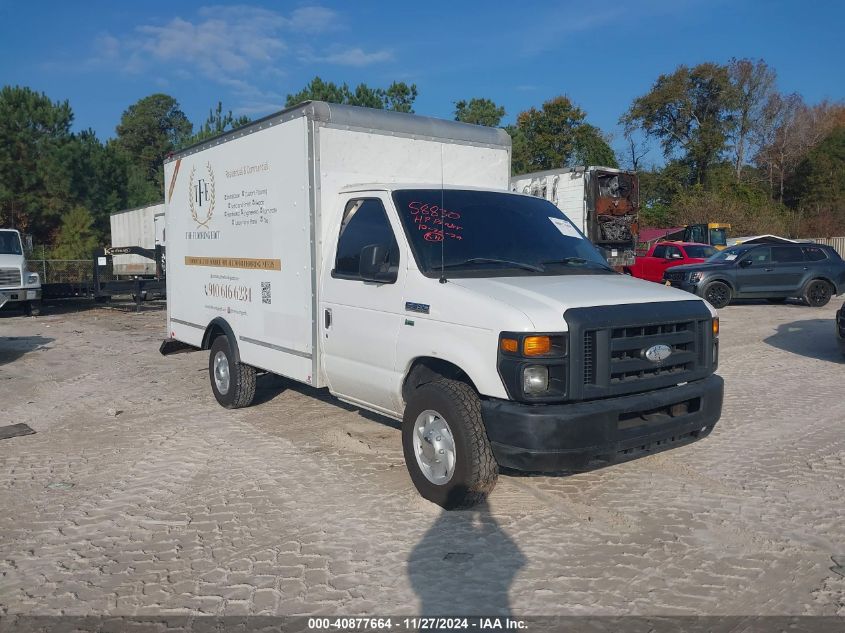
x=217 y=123
x=479 y=112
x=32 y=184
x=557 y=136
x=399 y=96
x=592 y=148
x=817 y=189
x=149 y=130
x=77 y=237
x=690 y=112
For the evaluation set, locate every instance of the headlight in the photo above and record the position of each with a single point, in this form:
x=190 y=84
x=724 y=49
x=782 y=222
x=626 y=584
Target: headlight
x=694 y=277
x=533 y=365
x=31 y=279
x=535 y=379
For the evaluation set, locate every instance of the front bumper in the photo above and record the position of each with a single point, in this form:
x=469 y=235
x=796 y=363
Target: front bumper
x=568 y=436
x=683 y=285
x=840 y=329
x=17 y=295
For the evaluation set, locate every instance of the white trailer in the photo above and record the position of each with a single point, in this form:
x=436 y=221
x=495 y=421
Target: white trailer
x=142 y=227
x=601 y=201
x=452 y=304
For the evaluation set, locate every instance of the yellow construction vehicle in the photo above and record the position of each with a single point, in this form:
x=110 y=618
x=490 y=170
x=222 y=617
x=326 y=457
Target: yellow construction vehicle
x=713 y=233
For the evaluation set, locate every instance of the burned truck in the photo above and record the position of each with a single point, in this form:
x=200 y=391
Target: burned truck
x=601 y=201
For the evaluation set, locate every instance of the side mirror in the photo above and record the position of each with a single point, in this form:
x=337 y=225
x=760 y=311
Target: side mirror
x=374 y=264
x=745 y=263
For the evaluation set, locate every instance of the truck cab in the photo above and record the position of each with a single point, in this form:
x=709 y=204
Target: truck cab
x=665 y=255
x=472 y=314
x=18 y=286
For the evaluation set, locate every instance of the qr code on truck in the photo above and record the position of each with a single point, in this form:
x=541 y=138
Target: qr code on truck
x=265 y=292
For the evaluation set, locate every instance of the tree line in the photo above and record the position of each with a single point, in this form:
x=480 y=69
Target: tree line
x=732 y=149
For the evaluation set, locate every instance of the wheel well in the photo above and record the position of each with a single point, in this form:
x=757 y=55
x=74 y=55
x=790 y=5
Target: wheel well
x=219 y=327
x=426 y=369
x=824 y=279
x=721 y=280
x=212 y=332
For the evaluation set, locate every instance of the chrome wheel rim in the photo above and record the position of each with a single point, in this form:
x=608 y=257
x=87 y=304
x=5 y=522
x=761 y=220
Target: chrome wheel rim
x=434 y=447
x=221 y=373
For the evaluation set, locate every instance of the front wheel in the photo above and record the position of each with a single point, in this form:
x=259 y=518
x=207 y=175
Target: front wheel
x=818 y=293
x=717 y=294
x=232 y=382
x=446 y=449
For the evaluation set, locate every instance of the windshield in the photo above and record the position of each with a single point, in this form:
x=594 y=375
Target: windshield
x=718 y=237
x=10 y=243
x=730 y=254
x=700 y=252
x=482 y=233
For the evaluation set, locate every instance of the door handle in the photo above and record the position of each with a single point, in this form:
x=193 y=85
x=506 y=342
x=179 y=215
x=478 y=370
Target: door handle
x=768 y=270
x=327 y=318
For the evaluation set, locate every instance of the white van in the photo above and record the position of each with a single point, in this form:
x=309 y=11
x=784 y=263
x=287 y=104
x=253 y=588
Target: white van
x=18 y=286
x=381 y=255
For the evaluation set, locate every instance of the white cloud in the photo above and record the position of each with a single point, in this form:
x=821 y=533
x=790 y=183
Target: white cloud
x=355 y=57
x=244 y=48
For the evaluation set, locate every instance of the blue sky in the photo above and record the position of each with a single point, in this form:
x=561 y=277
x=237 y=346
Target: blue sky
x=103 y=56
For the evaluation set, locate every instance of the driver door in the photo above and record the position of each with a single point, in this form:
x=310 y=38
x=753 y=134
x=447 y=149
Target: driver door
x=757 y=275
x=360 y=320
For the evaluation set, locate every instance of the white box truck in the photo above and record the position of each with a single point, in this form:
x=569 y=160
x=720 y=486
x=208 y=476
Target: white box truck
x=141 y=227
x=19 y=286
x=381 y=256
x=603 y=202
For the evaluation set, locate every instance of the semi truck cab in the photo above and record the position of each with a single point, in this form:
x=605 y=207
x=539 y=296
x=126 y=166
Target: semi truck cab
x=19 y=286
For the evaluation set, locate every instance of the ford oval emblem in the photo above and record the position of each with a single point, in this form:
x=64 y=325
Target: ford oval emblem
x=658 y=353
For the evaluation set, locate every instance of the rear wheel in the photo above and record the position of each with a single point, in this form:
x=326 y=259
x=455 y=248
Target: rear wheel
x=447 y=452
x=718 y=294
x=818 y=293
x=232 y=382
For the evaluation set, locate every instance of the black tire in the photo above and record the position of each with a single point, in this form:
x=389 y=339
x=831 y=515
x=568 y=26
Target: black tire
x=32 y=308
x=818 y=293
x=717 y=294
x=475 y=470
x=241 y=378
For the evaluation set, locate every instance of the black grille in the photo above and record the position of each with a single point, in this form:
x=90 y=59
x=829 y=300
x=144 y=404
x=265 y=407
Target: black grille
x=628 y=345
x=589 y=358
x=673 y=276
x=10 y=277
x=614 y=340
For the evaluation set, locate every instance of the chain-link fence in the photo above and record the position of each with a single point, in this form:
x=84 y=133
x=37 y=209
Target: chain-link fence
x=63 y=271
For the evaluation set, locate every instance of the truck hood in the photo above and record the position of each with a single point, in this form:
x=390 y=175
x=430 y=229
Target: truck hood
x=11 y=261
x=545 y=299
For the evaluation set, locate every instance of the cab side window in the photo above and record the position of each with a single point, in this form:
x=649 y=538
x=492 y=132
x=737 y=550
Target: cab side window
x=786 y=255
x=364 y=223
x=674 y=252
x=659 y=251
x=760 y=256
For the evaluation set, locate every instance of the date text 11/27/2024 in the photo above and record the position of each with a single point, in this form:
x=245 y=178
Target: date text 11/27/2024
x=416 y=624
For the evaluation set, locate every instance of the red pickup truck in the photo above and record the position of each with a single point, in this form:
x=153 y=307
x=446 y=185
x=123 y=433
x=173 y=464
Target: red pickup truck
x=663 y=255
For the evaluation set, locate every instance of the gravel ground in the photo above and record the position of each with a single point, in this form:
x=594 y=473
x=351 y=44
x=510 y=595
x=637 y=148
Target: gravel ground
x=139 y=495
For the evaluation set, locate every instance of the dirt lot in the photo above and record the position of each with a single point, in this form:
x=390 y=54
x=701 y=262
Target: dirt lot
x=138 y=494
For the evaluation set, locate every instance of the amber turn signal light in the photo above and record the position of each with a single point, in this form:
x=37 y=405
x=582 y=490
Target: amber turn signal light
x=536 y=345
x=715 y=326
x=510 y=345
